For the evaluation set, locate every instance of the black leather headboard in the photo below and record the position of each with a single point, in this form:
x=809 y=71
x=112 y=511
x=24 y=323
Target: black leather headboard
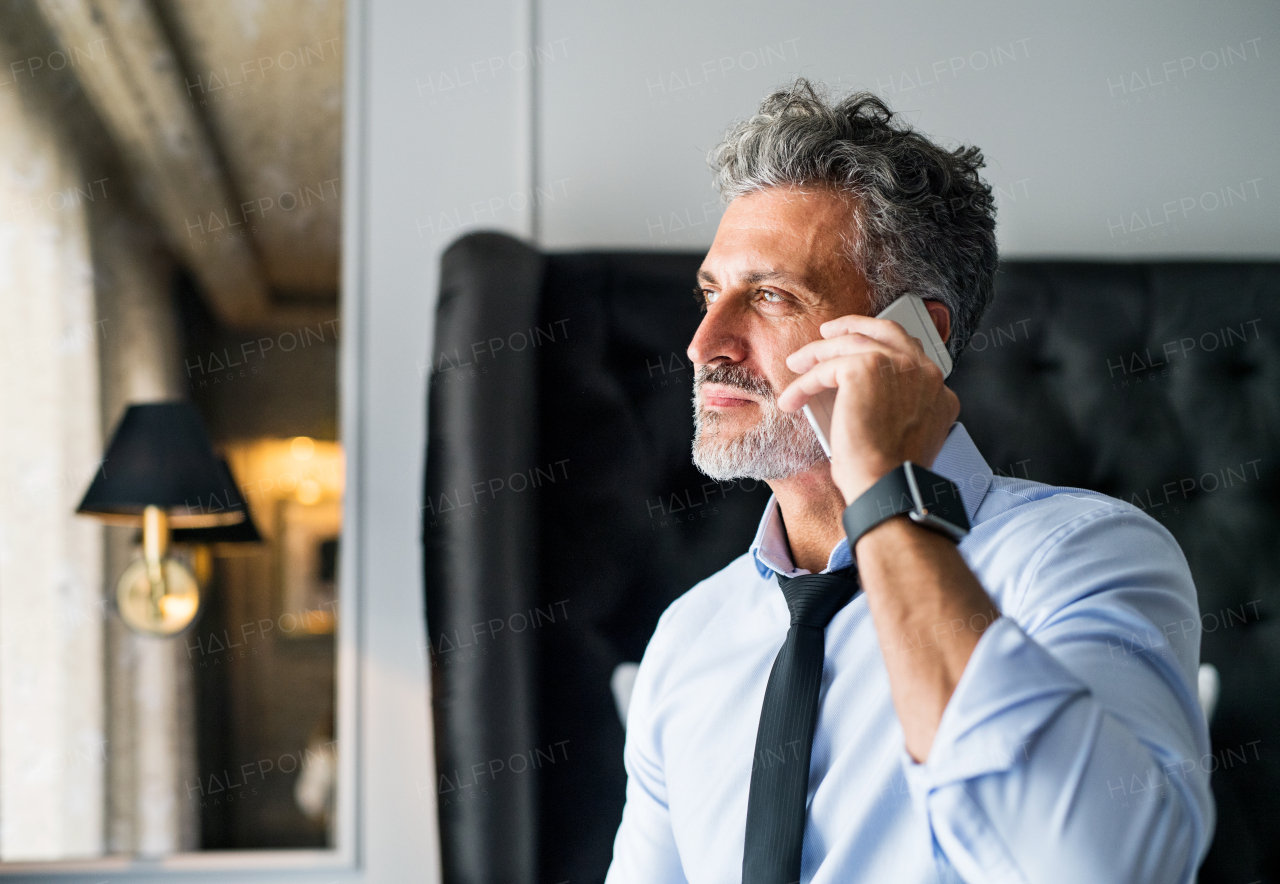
x=562 y=514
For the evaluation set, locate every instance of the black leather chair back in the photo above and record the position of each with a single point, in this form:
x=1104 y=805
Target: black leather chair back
x=562 y=514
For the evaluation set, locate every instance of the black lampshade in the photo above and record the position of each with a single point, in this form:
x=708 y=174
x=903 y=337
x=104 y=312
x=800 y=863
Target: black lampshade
x=241 y=532
x=160 y=455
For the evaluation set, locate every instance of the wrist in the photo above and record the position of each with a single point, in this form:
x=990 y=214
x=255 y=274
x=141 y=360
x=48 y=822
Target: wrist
x=855 y=483
x=911 y=491
x=890 y=529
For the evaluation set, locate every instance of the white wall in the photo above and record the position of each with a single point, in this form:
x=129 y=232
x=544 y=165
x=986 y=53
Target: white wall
x=445 y=144
x=1051 y=92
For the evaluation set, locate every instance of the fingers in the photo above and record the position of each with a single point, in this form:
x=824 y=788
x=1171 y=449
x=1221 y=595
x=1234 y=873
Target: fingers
x=852 y=344
x=823 y=376
x=881 y=329
x=872 y=362
x=904 y=348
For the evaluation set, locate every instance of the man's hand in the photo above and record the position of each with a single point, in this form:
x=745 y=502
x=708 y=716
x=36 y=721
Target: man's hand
x=891 y=404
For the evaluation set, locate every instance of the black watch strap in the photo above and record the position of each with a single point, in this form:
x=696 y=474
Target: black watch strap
x=930 y=500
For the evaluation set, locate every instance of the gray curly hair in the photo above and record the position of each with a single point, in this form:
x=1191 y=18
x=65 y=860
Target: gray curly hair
x=923 y=219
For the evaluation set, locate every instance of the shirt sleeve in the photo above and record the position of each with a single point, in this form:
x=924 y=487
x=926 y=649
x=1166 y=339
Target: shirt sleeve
x=1073 y=748
x=644 y=850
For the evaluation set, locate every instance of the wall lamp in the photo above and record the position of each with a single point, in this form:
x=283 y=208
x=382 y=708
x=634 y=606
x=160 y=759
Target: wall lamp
x=160 y=471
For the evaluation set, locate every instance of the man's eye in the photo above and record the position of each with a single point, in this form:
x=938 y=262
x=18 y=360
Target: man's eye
x=771 y=297
x=704 y=297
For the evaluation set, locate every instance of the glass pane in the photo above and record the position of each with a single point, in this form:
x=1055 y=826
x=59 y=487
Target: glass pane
x=170 y=229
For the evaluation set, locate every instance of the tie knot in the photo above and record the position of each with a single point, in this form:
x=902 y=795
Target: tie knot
x=814 y=599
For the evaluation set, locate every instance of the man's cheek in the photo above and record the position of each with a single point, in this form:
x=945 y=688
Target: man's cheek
x=804 y=334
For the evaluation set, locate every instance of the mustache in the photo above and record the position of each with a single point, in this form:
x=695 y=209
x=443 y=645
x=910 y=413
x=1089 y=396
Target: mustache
x=733 y=376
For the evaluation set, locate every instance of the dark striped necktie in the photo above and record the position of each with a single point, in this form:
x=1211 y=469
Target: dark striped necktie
x=780 y=771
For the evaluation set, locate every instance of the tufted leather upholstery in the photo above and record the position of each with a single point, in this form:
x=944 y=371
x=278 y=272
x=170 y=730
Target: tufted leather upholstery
x=562 y=514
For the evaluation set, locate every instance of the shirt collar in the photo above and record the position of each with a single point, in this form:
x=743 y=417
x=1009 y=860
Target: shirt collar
x=959 y=460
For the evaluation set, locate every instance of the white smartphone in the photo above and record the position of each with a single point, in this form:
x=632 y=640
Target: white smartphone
x=910 y=313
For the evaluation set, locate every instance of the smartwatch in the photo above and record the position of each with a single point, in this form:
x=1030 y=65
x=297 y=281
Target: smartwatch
x=928 y=499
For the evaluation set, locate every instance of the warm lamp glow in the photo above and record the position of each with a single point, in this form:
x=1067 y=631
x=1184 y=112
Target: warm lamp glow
x=309 y=492
x=179 y=608
x=268 y=471
x=302 y=447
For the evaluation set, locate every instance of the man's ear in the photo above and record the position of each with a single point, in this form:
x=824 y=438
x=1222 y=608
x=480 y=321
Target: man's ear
x=941 y=317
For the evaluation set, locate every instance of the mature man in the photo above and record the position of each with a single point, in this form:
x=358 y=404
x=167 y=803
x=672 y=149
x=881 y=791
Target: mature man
x=1007 y=708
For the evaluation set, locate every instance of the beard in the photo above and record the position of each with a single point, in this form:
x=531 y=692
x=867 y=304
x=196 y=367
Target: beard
x=778 y=446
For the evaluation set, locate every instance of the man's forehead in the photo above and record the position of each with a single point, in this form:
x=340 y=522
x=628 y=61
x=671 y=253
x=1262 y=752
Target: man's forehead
x=781 y=235
x=788 y=210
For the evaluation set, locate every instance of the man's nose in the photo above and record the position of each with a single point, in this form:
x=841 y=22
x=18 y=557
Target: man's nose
x=719 y=337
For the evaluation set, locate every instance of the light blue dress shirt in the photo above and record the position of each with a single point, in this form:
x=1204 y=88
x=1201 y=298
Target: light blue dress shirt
x=1072 y=750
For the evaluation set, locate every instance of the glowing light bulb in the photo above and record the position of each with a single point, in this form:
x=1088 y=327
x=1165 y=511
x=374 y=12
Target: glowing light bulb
x=302 y=447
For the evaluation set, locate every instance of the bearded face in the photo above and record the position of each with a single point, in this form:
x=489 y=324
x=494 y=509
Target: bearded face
x=778 y=269
x=775 y=446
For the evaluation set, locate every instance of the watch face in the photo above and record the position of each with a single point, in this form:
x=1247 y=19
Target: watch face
x=929 y=520
x=937 y=498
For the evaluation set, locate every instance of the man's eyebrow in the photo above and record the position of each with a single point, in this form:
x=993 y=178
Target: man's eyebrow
x=754 y=277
